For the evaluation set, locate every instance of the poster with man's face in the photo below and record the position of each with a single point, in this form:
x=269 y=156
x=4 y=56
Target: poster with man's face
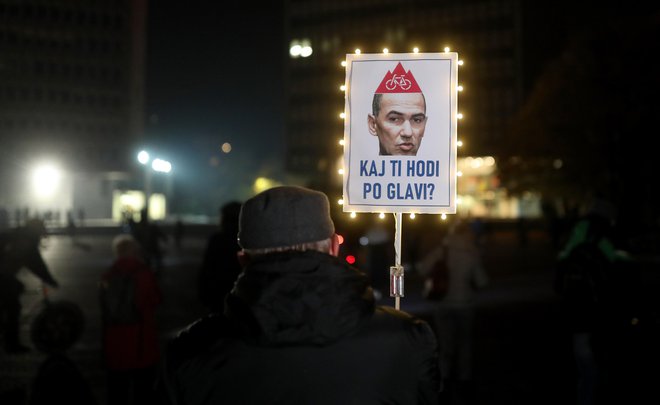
x=400 y=133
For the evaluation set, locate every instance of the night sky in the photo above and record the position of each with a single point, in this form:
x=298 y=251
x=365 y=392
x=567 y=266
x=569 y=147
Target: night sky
x=213 y=75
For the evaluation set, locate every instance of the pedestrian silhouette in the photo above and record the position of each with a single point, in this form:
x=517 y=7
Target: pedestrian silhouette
x=59 y=379
x=220 y=266
x=149 y=235
x=300 y=325
x=586 y=283
x=130 y=348
x=19 y=248
x=454 y=315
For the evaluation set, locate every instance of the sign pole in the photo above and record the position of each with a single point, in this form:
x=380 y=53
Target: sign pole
x=396 y=271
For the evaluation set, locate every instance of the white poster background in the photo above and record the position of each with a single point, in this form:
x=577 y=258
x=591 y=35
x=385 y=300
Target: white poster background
x=430 y=187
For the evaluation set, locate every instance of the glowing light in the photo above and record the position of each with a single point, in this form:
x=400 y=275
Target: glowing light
x=350 y=259
x=340 y=171
x=340 y=239
x=459 y=116
x=295 y=50
x=459 y=173
x=459 y=88
x=447 y=49
x=412 y=216
x=342 y=115
x=460 y=63
x=443 y=216
x=45 y=180
x=143 y=157
x=459 y=200
x=386 y=51
x=416 y=50
x=557 y=163
x=342 y=87
x=306 y=51
x=341 y=142
x=489 y=161
x=340 y=201
x=161 y=165
x=459 y=143
x=358 y=51
x=364 y=241
x=343 y=63
x=226 y=147
x=381 y=215
x=353 y=215
x=263 y=184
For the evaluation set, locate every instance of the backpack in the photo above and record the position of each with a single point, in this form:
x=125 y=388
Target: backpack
x=118 y=300
x=582 y=276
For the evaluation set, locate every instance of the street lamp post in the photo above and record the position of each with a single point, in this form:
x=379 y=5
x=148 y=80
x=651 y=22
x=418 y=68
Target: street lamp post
x=158 y=165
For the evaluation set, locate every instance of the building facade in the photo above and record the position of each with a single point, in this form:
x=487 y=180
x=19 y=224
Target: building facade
x=71 y=102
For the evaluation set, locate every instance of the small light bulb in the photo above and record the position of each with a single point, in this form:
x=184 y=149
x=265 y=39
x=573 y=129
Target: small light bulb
x=459 y=143
x=460 y=63
x=459 y=88
x=343 y=115
x=342 y=87
x=340 y=171
x=341 y=142
x=353 y=215
x=416 y=50
x=447 y=49
x=386 y=51
x=459 y=173
x=358 y=51
x=381 y=216
x=443 y=216
x=412 y=216
x=343 y=63
x=459 y=116
x=340 y=202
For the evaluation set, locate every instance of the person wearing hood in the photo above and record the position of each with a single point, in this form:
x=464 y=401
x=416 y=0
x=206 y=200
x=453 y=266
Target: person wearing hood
x=300 y=326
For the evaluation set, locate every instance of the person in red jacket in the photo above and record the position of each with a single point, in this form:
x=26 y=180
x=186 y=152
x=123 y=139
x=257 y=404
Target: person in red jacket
x=131 y=349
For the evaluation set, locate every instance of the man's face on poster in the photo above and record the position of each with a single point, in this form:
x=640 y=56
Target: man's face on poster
x=399 y=121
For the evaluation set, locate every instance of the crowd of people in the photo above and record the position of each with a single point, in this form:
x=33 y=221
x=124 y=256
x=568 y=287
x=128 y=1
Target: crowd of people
x=287 y=316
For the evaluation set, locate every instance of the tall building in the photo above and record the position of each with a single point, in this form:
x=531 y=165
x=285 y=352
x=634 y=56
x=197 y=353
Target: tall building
x=71 y=96
x=502 y=43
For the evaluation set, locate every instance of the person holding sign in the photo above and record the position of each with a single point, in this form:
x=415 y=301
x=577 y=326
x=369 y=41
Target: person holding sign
x=300 y=325
x=398 y=115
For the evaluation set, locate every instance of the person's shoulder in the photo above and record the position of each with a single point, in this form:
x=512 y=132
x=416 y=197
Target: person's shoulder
x=197 y=338
x=390 y=320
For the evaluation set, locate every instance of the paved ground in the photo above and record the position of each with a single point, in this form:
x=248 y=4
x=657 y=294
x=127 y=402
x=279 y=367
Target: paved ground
x=520 y=355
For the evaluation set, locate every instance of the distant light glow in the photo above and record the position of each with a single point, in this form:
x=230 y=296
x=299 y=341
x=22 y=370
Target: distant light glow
x=447 y=49
x=342 y=115
x=350 y=259
x=460 y=62
x=386 y=51
x=341 y=142
x=459 y=173
x=340 y=201
x=342 y=87
x=459 y=143
x=557 y=163
x=459 y=88
x=340 y=171
x=412 y=215
x=46 y=179
x=306 y=51
x=161 y=165
x=415 y=50
x=143 y=157
x=295 y=50
x=381 y=215
x=343 y=63
x=353 y=215
x=443 y=216
x=364 y=241
x=459 y=116
x=226 y=147
x=358 y=51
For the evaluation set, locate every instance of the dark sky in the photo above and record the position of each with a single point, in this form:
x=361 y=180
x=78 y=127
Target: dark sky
x=213 y=75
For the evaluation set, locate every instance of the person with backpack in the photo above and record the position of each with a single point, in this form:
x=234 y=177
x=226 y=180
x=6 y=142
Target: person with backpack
x=129 y=296
x=586 y=283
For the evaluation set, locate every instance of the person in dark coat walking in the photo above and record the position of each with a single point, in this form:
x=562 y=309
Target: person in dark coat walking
x=19 y=248
x=220 y=266
x=300 y=326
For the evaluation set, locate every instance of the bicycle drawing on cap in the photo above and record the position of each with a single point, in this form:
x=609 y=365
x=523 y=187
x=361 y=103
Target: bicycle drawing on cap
x=398 y=81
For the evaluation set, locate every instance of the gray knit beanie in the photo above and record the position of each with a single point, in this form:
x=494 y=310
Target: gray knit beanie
x=284 y=216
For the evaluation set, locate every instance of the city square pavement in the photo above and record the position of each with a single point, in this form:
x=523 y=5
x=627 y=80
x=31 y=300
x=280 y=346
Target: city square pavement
x=519 y=354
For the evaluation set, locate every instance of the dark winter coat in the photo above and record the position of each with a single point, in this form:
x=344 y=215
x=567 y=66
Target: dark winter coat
x=302 y=328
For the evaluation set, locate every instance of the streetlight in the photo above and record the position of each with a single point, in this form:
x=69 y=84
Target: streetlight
x=158 y=165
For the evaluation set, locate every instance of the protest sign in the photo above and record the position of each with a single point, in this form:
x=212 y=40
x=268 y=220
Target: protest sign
x=400 y=133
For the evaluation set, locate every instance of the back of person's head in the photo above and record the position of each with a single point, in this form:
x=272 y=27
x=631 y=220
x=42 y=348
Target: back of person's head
x=125 y=245
x=58 y=327
x=286 y=218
